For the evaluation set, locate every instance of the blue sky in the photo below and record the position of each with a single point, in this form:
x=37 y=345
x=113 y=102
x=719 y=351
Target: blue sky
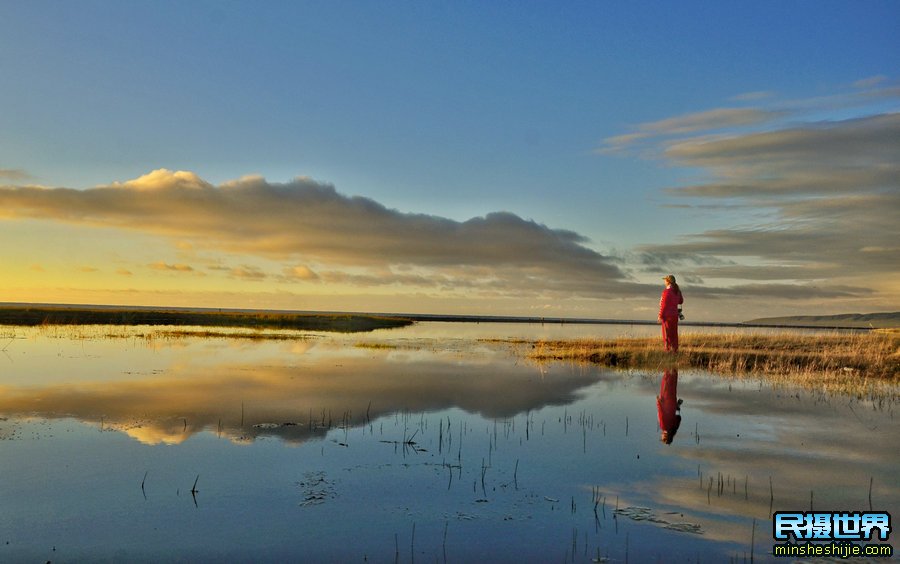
x=453 y=111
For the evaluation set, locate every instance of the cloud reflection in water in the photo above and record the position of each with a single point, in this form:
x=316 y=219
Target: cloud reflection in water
x=296 y=403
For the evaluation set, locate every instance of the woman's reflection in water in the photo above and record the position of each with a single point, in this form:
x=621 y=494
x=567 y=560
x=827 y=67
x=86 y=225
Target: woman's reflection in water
x=668 y=405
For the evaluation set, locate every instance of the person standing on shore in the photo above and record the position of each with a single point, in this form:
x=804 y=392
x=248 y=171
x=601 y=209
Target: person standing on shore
x=669 y=313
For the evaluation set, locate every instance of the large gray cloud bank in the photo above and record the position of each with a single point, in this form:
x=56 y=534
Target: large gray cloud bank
x=357 y=239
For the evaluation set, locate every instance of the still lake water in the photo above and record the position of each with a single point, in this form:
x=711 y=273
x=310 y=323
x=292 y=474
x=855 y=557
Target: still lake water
x=420 y=444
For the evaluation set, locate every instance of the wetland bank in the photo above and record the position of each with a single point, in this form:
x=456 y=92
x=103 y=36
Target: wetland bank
x=431 y=442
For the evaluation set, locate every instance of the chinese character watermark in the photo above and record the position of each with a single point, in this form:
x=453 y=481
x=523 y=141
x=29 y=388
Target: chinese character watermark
x=832 y=525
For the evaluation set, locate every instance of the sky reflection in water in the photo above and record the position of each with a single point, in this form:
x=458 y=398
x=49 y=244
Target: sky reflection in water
x=415 y=445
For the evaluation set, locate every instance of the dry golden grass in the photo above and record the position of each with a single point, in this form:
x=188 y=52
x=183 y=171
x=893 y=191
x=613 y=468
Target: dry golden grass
x=837 y=362
x=376 y=346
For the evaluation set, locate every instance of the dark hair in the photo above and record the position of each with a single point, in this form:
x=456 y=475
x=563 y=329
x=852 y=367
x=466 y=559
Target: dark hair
x=669 y=433
x=675 y=287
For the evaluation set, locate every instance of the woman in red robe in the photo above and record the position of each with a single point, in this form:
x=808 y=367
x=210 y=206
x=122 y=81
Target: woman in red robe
x=669 y=312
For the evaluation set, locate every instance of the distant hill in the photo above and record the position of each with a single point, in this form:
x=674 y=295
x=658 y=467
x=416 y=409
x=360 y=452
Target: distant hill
x=876 y=320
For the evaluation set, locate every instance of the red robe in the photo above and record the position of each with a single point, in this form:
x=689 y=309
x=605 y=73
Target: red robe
x=668 y=316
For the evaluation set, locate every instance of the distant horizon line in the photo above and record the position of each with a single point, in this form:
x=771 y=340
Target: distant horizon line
x=426 y=317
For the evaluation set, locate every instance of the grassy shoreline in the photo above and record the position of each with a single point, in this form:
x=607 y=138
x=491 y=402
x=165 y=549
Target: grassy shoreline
x=840 y=362
x=342 y=323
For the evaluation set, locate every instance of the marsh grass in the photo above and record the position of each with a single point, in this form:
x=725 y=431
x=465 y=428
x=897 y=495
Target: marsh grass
x=835 y=362
x=257 y=335
x=377 y=346
x=152 y=334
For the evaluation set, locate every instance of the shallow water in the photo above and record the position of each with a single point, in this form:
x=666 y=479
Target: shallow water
x=419 y=444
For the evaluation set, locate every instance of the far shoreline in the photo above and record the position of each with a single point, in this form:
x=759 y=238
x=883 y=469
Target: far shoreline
x=31 y=315
x=89 y=314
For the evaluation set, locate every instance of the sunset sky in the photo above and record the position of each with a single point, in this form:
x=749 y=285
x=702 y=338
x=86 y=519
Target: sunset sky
x=495 y=158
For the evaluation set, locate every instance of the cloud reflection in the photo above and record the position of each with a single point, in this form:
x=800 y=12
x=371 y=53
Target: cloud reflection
x=244 y=401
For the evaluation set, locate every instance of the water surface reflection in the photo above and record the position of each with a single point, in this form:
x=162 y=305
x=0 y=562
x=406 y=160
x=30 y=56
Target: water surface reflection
x=295 y=402
x=409 y=448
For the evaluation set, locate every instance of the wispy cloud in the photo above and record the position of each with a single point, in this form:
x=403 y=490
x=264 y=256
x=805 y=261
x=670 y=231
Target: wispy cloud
x=708 y=120
x=354 y=240
x=160 y=265
x=814 y=201
x=753 y=96
x=833 y=190
x=299 y=272
x=871 y=81
x=853 y=145
x=767 y=110
x=14 y=175
x=248 y=273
